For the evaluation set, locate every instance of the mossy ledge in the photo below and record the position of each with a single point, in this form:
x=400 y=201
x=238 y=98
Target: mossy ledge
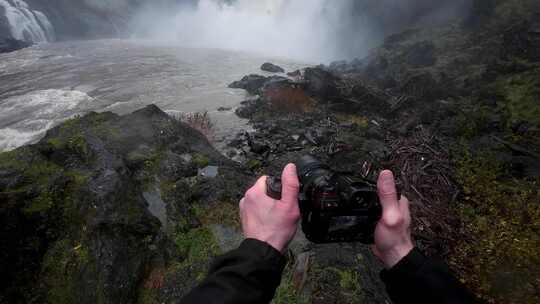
x=76 y=225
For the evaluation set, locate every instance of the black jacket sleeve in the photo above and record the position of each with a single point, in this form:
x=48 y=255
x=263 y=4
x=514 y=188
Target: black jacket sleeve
x=249 y=274
x=417 y=279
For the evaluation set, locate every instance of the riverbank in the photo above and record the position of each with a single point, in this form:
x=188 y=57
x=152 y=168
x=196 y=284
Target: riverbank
x=132 y=208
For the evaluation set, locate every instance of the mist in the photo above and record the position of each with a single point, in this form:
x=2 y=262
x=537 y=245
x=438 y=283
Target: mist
x=307 y=30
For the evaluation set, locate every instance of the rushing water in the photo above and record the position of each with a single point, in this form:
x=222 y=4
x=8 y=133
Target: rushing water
x=46 y=84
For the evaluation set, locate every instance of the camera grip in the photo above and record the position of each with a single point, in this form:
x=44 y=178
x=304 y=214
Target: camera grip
x=273 y=187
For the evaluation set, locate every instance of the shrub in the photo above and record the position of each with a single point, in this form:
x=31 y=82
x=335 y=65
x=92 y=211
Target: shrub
x=289 y=99
x=199 y=121
x=498 y=253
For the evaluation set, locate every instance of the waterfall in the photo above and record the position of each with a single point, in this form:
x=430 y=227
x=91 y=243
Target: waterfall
x=27 y=24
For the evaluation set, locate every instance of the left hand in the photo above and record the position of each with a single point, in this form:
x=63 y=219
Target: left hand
x=269 y=220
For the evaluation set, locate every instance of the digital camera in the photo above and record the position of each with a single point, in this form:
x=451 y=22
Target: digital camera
x=335 y=207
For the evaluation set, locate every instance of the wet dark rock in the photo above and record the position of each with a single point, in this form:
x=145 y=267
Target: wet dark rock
x=272 y=68
x=100 y=194
x=254 y=84
x=251 y=83
x=277 y=83
x=321 y=82
x=296 y=73
x=10 y=45
x=246 y=110
x=258 y=146
x=224 y=109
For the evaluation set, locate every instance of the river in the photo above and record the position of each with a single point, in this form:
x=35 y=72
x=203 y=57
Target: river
x=48 y=83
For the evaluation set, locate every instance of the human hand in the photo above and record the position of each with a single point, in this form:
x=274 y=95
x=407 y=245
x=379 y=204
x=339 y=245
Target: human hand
x=393 y=233
x=269 y=220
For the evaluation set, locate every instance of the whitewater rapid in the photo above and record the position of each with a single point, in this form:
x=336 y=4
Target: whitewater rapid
x=46 y=84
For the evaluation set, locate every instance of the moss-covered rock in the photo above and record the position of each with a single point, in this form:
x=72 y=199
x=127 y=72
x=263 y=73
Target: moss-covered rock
x=77 y=227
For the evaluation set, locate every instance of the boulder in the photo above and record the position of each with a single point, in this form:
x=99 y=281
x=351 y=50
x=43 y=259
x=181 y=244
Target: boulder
x=272 y=68
x=251 y=83
x=255 y=84
x=10 y=45
x=321 y=82
x=94 y=208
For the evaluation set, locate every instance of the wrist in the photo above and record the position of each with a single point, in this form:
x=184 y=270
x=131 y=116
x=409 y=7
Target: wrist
x=392 y=256
x=276 y=244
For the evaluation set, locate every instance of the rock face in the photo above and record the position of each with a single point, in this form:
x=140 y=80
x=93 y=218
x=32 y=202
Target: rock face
x=272 y=68
x=10 y=45
x=104 y=202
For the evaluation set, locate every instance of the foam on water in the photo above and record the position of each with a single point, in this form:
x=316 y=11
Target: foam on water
x=25 y=119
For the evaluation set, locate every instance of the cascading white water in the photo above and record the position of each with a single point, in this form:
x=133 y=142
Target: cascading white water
x=27 y=24
x=301 y=29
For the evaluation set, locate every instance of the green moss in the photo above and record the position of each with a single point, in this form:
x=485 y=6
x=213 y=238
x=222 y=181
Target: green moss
x=361 y=121
x=197 y=244
x=224 y=213
x=498 y=255
x=56 y=143
x=45 y=201
x=523 y=97
x=148 y=296
x=200 y=160
x=150 y=168
x=286 y=292
x=254 y=164
x=57 y=274
x=197 y=247
x=349 y=281
x=473 y=117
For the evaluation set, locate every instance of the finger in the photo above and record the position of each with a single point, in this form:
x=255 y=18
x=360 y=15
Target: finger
x=260 y=185
x=290 y=185
x=241 y=204
x=386 y=188
x=404 y=206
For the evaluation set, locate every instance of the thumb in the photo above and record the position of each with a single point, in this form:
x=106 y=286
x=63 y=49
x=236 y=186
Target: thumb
x=386 y=187
x=290 y=184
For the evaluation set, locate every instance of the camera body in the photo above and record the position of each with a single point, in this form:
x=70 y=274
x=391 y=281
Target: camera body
x=335 y=207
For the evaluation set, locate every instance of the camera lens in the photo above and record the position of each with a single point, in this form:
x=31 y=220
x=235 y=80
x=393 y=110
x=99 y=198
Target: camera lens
x=308 y=163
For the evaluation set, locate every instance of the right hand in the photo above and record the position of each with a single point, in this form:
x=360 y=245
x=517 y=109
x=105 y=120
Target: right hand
x=266 y=219
x=393 y=239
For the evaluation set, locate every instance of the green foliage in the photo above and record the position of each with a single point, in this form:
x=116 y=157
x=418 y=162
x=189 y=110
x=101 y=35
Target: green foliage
x=473 y=118
x=500 y=220
x=200 y=160
x=522 y=94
